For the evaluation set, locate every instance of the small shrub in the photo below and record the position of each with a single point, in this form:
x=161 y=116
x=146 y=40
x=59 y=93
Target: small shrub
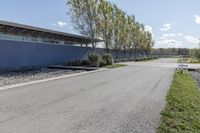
x=94 y=59
x=191 y=60
x=77 y=63
x=73 y=63
x=197 y=54
x=107 y=59
x=117 y=60
x=102 y=63
x=85 y=63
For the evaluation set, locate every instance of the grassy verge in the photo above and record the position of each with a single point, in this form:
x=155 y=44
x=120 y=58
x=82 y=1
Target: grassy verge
x=115 y=66
x=182 y=112
x=136 y=59
x=189 y=60
x=185 y=60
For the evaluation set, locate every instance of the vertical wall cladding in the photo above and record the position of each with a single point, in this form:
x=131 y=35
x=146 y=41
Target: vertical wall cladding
x=16 y=54
x=27 y=54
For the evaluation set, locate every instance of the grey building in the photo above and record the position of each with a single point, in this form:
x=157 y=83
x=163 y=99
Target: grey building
x=28 y=46
x=25 y=33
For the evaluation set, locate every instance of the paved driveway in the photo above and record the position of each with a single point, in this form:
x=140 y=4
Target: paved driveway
x=124 y=100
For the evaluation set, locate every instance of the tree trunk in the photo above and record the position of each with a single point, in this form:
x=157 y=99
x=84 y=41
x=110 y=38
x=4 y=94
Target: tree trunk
x=107 y=48
x=124 y=52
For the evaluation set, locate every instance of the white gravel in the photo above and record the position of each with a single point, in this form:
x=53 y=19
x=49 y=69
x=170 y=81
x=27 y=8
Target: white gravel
x=12 y=78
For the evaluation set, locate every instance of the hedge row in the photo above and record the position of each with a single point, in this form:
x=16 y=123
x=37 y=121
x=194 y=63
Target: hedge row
x=136 y=59
x=95 y=60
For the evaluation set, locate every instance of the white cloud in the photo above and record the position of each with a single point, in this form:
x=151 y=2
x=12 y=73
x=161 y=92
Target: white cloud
x=71 y=28
x=149 y=29
x=162 y=38
x=60 y=24
x=169 y=43
x=192 y=39
x=197 y=19
x=179 y=34
x=167 y=26
x=175 y=45
x=172 y=35
x=169 y=40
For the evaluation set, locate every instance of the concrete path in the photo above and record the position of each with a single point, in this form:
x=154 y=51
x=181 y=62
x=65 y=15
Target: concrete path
x=124 y=100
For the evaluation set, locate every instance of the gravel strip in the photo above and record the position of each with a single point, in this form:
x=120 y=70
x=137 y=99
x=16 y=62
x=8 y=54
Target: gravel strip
x=12 y=78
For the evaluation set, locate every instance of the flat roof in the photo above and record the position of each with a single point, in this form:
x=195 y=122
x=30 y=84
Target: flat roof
x=26 y=30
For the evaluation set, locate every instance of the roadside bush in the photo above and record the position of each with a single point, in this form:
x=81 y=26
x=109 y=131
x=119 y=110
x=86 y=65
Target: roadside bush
x=73 y=63
x=191 y=60
x=136 y=59
x=77 y=63
x=85 y=63
x=197 y=54
x=102 y=63
x=94 y=59
x=107 y=59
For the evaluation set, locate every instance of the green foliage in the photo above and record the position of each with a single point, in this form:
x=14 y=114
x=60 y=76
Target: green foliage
x=73 y=63
x=77 y=63
x=84 y=16
x=197 y=54
x=107 y=59
x=105 y=14
x=182 y=112
x=192 y=60
x=136 y=59
x=173 y=51
x=189 y=60
x=94 y=59
x=120 y=31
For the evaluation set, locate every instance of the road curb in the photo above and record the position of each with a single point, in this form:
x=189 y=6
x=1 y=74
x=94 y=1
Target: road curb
x=49 y=79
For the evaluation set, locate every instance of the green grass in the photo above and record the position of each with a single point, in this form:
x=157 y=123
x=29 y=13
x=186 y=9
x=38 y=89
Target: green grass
x=189 y=60
x=182 y=111
x=184 y=60
x=115 y=66
x=193 y=61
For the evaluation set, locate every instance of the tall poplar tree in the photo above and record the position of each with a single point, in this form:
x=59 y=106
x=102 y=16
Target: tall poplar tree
x=84 y=15
x=105 y=14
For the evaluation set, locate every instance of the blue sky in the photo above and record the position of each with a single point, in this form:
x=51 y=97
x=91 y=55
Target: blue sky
x=174 y=23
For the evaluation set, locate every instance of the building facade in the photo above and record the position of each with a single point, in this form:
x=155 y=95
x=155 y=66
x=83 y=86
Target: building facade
x=27 y=46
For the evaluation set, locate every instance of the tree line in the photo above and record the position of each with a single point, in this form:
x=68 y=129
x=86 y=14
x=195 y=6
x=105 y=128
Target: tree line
x=105 y=20
x=172 y=51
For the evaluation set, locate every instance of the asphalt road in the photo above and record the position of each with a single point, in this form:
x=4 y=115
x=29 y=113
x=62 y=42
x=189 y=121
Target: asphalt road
x=124 y=100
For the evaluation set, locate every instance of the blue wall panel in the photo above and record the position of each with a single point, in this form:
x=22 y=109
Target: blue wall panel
x=14 y=54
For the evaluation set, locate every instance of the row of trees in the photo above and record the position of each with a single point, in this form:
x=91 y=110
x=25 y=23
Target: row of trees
x=172 y=51
x=104 y=20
